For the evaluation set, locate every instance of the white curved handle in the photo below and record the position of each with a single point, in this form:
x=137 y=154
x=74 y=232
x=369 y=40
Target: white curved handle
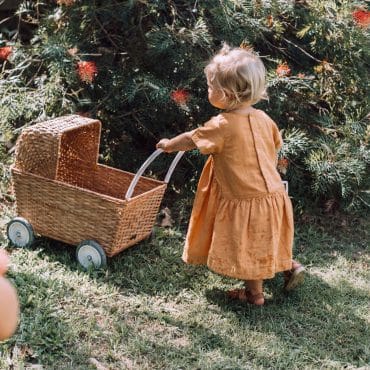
x=145 y=165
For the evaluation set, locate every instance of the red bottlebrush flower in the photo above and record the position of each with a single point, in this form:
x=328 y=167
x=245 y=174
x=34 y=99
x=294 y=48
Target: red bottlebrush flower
x=361 y=17
x=301 y=75
x=283 y=70
x=65 y=2
x=282 y=165
x=87 y=71
x=5 y=51
x=270 y=21
x=180 y=96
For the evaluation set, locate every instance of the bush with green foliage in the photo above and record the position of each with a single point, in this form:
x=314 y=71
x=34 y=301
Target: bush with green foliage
x=145 y=80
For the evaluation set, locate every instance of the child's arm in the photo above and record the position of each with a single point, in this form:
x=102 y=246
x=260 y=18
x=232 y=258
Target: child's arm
x=181 y=142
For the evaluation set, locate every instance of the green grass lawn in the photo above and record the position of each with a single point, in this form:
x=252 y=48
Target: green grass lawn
x=149 y=310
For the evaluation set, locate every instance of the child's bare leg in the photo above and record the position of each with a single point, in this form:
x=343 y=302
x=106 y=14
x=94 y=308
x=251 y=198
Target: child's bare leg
x=255 y=292
x=294 y=276
x=295 y=264
x=252 y=293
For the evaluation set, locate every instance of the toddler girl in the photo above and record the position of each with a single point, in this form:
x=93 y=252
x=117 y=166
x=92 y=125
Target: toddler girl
x=242 y=221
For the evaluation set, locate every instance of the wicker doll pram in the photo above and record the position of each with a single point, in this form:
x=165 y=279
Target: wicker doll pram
x=63 y=193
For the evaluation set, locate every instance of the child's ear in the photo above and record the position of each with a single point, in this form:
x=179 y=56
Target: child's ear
x=229 y=96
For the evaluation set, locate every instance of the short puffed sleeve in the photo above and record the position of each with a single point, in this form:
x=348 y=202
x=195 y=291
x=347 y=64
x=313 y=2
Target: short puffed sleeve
x=209 y=138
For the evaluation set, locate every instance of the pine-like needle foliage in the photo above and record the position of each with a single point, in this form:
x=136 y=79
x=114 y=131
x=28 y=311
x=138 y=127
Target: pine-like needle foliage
x=138 y=66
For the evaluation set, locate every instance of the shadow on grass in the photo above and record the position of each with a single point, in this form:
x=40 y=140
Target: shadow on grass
x=317 y=320
x=155 y=267
x=44 y=335
x=321 y=244
x=317 y=324
x=183 y=348
x=146 y=268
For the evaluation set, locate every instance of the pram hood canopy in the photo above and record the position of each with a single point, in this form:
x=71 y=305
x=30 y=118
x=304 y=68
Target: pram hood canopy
x=45 y=148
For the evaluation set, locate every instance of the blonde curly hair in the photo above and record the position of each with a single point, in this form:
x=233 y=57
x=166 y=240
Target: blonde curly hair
x=238 y=74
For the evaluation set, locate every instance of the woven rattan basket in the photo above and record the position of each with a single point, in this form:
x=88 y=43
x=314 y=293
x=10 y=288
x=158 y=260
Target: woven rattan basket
x=65 y=194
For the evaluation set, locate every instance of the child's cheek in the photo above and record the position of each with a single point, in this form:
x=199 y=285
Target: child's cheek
x=9 y=309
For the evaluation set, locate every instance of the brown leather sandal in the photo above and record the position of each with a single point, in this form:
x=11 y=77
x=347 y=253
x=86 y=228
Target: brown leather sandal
x=243 y=295
x=294 y=277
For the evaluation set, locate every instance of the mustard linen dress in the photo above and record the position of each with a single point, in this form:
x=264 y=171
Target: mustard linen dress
x=242 y=220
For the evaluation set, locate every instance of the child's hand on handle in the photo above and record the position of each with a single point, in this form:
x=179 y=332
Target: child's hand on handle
x=9 y=305
x=181 y=142
x=163 y=144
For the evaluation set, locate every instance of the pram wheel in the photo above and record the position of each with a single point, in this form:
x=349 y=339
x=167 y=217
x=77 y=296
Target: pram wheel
x=20 y=232
x=90 y=254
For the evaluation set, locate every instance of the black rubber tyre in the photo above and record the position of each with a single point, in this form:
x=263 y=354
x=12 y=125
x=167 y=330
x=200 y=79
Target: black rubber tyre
x=20 y=232
x=89 y=254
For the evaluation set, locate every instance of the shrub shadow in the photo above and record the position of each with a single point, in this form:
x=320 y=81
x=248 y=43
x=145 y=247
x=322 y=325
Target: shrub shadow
x=43 y=336
x=146 y=268
x=317 y=319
